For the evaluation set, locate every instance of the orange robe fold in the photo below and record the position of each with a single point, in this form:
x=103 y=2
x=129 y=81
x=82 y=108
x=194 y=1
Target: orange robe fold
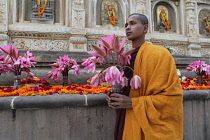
x=157 y=112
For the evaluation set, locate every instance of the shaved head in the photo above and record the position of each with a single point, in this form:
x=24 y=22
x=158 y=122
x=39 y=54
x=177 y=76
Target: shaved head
x=142 y=18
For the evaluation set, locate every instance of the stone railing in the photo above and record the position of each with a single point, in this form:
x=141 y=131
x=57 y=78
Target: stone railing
x=78 y=117
x=45 y=58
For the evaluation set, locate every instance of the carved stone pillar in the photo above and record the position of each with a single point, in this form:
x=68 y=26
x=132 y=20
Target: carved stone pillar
x=192 y=28
x=194 y=47
x=78 y=14
x=78 y=41
x=3 y=22
x=141 y=7
x=78 y=44
x=191 y=19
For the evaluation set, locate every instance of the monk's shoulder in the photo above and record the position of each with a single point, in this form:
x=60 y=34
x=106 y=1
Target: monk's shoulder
x=157 y=50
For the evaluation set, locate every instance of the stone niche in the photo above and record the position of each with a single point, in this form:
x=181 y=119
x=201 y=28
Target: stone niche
x=102 y=15
x=29 y=8
x=49 y=12
x=166 y=9
x=204 y=22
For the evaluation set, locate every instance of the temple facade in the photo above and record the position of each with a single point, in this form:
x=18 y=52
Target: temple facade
x=183 y=26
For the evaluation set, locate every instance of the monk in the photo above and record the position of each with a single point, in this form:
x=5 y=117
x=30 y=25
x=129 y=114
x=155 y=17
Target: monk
x=155 y=110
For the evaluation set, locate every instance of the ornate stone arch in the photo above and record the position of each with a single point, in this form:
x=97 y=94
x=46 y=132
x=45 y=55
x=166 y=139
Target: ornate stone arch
x=22 y=11
x=204 y=30
x=121 y=12
x=170 y=10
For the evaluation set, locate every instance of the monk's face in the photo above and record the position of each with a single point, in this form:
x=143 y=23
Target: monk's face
x=134 y=28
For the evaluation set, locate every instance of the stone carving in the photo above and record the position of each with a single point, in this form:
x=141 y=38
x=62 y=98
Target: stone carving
x=78 y=14
x=104 y=13
x=94 y=42
x=78 y=20
x=204 y=23
x=205 y=52
x=48 y=13
x=105 y=32
x=40 y=44
x=163 y=22
x=3 y=14
x=78 y=40
x=78 y=31
x=78 y=47
x=141 y=6
x=2 y=43
x=40 y=35
x=181 y=50
x=78 y=4
x=4 y=37
x=191 y=20
x=42 y=29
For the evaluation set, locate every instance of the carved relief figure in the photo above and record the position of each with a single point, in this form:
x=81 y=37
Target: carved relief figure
x=109 y=12
x=204 y=22
x=163 y=19
x=78 y=13
x=191 y=19
x=207 y=24
x=78 y=4
x=78 y=16
x=140 y=6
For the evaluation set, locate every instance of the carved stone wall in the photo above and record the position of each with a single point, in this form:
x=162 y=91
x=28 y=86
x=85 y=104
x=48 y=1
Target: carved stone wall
x=78 y=24
x=204 y=24
x=3 y=15
x=3 y=22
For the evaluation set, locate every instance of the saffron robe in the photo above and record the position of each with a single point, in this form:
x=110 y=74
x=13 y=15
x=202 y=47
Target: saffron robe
x=157 y=112
x=120 y=113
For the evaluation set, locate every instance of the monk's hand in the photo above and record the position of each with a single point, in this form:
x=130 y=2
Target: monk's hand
x=118 y=101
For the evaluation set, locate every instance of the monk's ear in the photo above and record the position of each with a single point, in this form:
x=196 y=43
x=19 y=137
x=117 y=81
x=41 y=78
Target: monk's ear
x=146 y=28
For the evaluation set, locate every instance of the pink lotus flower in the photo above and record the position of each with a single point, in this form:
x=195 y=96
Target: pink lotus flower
x=14 y=63
x=135 y=82
x=113 y=75
x=62 y=66
x=89 y=64
x=199 y=67
x=95 y=80
x=115 y=58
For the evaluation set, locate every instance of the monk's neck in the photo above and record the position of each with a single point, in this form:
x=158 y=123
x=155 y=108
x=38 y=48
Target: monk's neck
x=138 y=43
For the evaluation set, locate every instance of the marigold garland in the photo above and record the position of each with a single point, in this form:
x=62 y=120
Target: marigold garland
x=191 y=84
x=39 y=7
x=207 y=23
x=187 y=84
x=49 y=90
x=113 y=18
x=165 y=20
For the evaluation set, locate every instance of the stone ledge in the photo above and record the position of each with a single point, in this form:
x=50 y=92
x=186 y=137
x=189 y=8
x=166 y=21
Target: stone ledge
x=196 y=95
x=76 y=100
x=52 y=101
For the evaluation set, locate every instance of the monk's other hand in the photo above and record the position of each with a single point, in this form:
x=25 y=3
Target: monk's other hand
x=118 y=101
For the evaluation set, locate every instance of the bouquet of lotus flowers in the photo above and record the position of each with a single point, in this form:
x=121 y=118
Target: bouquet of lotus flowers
x=62 y=66
x=115 y=58
x=200 y=68
x=14 y=63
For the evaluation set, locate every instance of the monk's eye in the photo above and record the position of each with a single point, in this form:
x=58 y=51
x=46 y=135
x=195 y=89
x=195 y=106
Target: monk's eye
x=132 y=23
x=126 y=25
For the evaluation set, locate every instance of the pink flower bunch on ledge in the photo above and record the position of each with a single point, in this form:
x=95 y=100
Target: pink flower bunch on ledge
x=115 y=58
x=199 y=67
x=62 y=66
x=12 y=62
